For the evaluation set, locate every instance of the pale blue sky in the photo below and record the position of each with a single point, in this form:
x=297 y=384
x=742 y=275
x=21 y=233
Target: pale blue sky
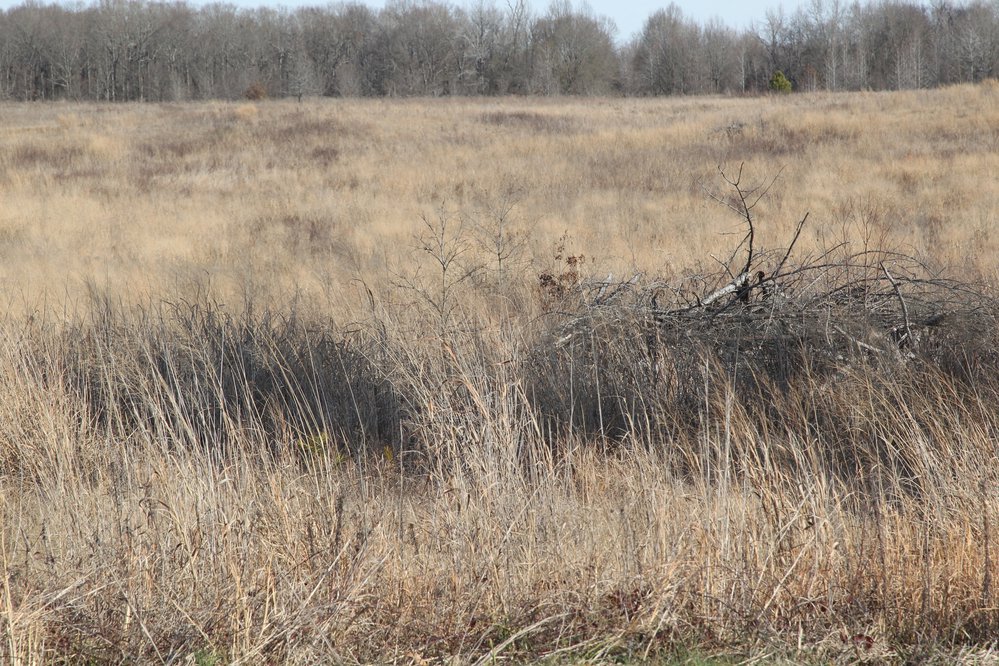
x=630 y=16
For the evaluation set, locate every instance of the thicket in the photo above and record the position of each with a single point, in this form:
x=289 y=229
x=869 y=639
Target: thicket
x=138 y=50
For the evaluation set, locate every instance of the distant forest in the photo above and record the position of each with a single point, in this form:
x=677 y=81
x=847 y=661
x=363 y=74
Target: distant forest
x=124 y=50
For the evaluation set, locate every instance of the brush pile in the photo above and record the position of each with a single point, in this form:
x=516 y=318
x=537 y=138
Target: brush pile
x=763 y=319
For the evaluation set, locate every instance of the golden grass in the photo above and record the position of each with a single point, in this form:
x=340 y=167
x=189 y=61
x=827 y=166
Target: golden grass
x=143 y=198
x=217 y=447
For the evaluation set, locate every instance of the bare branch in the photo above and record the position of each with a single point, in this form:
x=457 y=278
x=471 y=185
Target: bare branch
x=905 y=308
x=790 y=247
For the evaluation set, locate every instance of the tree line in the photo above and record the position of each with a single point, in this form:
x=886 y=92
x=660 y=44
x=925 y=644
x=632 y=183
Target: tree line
x=124 y=50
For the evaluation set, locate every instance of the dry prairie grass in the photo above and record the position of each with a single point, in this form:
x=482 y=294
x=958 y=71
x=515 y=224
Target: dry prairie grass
x=243 y=419
x=141 y=199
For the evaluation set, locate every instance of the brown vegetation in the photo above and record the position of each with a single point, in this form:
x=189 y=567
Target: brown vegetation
x=345 y=382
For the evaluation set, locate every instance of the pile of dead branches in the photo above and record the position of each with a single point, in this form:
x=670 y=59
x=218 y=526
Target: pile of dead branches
x=768 y=316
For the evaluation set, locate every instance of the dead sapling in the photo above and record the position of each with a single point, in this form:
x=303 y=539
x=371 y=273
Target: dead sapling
x=500 y=232
x=445 y=245
x=744 y=281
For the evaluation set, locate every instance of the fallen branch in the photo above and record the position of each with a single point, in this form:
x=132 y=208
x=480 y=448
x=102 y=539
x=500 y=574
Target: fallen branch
x=907 y=322
x=740 y=283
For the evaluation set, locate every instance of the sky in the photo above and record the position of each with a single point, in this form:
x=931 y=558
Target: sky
x=630 y=15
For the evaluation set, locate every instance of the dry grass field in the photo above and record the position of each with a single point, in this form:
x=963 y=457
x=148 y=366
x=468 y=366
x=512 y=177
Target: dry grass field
x=325 y=382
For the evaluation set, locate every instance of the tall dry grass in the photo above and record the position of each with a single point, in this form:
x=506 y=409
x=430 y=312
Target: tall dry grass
x=280 y=198
x=249 y=417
